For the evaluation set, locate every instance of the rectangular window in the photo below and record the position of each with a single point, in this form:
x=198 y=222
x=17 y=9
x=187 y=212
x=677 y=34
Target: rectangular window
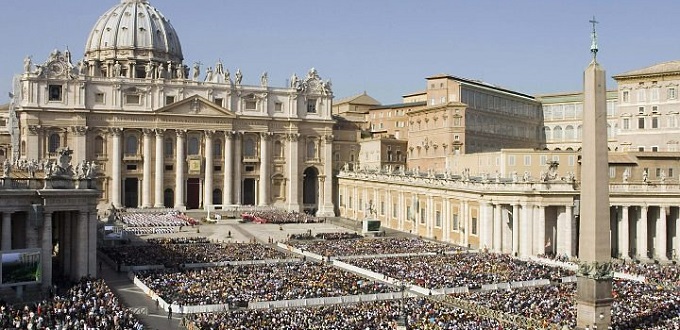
x=655 y=149
x=54 y=92
x=544 y=160
x=641 y=95
x=626 y=123
x=612 y=172
x=454 y=222
x=131 y=167
x=527 y=160
x=626 y=96
x=657 y=172
x=654 y=94
x=251 y=105
x=132 y=99
x=655 y=122
x=99 y=98
x=217 y=168
x=641 y=123
x=394 y=210
x=571 y=160
x=655 y=109
x=409 y=216
x=641 y=110
x=218 y=101
x=423 y=217
x=311 y=106
x=382 y=208
x=641 y=149
x=473 y=230
x=168 y=167
x=250 y=168
x=511 y=160
x=349 y=202
x=169 y=100
x=437 y=219
x=670 y=172
x=278 y=107
x=672 y=93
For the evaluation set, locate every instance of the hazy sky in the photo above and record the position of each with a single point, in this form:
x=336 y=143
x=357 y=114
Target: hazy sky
x=383 y=47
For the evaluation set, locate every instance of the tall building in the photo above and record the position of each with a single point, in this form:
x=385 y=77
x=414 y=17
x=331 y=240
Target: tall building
x=168 y=134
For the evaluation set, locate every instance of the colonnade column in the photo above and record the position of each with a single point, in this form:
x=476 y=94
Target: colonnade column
x=158 y=185
x=641 y=235
x=497 y=228
x=82 y=245
x=486 y=223
x=228 y=185
x=446 y=220
x=265 y=163
x=92 y=243
x=237 y=184
x=569 y=235
x=293 y=171
x=179 y=169
x=526 y=231
x=208 y=182
x=401 y=213
x=660 y=242
x=515 y=229
x=327 y=209
x=677 y=234
x=7 y=231
x=623 y=233
x=46 y=259
x=429 y=222
x=116 y=163
x=539 y=231
x=146 y=172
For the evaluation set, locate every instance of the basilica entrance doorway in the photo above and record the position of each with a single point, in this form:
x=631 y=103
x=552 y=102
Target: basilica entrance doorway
x=249 y=191
x=193 y=193
x=310 y=190
x=131 y=191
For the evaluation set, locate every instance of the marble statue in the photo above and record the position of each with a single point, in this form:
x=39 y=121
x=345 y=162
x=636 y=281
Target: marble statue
x=5 y=168
x=117 y=69
x=294 y=81
x=208 y=74
x=197 y=71
x=239 y=76
x=148 y=70
x=82 y=67
x=161 y=71
x=27 y=64
x=264 y=79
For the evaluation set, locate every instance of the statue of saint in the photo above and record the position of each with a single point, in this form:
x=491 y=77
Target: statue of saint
x=148 y=70
x=82 y=67
x=264 y=79
x=117 y=68
x=208 y=74
x=197 y=71
x=294 y=81
x=239 y=76
x=161 y=71
x=27 y=64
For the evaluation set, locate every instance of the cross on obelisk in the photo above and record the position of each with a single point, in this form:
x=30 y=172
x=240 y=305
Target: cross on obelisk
x=594 y=276
x=593 y=38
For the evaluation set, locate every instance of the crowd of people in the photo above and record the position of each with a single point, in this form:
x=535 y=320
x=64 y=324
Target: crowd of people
x=664 y=274
x=89 y=304
x=331 y=236
x=155 y=219
x=241 y=284
x=460 y=269
x=417 y=313
x=373 y=246
x=279 y=217
x=178 y=251
x=635 y=306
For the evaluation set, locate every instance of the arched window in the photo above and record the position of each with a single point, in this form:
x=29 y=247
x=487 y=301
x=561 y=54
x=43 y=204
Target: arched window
x=217 y=148
x=579 y=128
x=311 y=149
x=193 y=146
x=278 y=149
x=168 y=147
x=54 y=142
x=557 y=133
x=98 y=146
x=569 y=133
x=131 y=145
x=249 y=147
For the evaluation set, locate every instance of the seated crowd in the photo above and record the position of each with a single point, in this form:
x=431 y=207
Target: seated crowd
x=89 y=304
x=163 y=252
x=325 y=236
x=374 y=246
x=156 y=219
x=279 y=217
x=636 y=305
x=419 y=313
x=461 y=269
x=249 y=283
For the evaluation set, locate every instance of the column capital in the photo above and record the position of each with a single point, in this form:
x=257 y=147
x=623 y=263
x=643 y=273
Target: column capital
x=159 y=131
x=293 y=137
x=115 y=131
x=209 y=133
x=147 y=131
x=266 y=136
x=181 y=133
x=34 y=129
x=328 y=138
x=78 y=130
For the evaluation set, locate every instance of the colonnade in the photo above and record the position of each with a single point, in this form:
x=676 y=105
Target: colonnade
x=646 y=232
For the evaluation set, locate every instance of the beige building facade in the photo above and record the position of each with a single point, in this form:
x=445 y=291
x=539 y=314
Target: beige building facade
x=169 y=135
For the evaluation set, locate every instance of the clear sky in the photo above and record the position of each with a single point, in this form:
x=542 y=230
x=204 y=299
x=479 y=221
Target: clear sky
x=383 y=47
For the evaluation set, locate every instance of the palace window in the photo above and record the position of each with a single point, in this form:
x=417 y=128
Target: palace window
x=311 y=149
x=132 y=99
x=99 y=98
x=641 y=95
x=278 y=107
x=168 y=146
x=98 y=146
x=423 y=216
x=672 y=93
x=641 y=123
x=625 y=96
x=193 y=147
x=437 y=218
x=54 y=92
x=54 y=142
x=218 y=102
x=473 y=230
x=626 y=123
x=655 y=122
x=278 y=149
x=249 y=147
x=217 y=148
x=131 y=145
x=169 y=100
x=251 y=105
x=454 y=222
x=311 y=106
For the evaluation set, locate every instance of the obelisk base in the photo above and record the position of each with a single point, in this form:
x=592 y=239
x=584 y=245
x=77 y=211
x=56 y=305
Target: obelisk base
x=594 y=304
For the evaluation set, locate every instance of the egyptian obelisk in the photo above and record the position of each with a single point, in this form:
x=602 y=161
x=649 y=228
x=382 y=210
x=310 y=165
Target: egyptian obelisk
x=594 y=290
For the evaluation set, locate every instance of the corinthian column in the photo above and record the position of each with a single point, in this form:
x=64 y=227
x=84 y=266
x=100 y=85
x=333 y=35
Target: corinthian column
x=116 y=180
x=327 y=209
x=146 y=173
x=158 y=186
x=238 y=137
x=265 y=162
x=208 y=182
x=293 y=172
x=179 y=169
x=6 y=231
x=47 y=250
x=228 y=183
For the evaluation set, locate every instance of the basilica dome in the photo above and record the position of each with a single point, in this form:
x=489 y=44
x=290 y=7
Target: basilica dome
x=133 y=30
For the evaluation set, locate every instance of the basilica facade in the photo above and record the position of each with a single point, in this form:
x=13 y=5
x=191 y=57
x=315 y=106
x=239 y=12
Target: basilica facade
x=162 y=133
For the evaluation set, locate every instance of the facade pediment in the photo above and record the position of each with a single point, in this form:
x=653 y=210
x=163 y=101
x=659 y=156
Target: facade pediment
x=195 y=105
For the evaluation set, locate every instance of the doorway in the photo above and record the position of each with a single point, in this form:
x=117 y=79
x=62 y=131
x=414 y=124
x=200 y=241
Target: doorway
x=131 y=192
x=310 y=190
x=193 y=193
x=249 y=191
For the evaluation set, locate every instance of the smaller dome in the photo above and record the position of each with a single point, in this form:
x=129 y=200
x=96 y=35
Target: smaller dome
x=133 y=30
